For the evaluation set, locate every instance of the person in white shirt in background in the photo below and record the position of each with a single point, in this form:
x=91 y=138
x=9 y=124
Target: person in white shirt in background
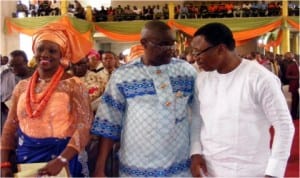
x=236 y=102
x=3 y=64
x=55 y=7
x=110 y=62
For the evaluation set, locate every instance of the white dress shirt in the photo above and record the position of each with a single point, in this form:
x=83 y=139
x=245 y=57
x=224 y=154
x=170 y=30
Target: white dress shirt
x=232 y=114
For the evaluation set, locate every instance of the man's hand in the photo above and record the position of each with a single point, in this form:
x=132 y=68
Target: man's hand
x=198 y=166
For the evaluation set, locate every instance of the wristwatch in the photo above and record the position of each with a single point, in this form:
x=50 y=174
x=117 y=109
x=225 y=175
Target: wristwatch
x=62 y=159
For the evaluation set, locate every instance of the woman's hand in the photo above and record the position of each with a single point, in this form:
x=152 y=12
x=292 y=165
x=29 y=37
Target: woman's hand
x=6 y=172
x=52 y=168
x=198 y=166
x=99 y=173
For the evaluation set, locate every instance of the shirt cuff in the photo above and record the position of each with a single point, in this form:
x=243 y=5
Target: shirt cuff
x=276 y=167
x=196 y=149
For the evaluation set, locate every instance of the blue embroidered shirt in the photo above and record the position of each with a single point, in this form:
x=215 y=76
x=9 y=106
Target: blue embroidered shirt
x=146 y=108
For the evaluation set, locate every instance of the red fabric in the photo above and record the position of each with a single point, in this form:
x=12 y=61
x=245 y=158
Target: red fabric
x=293 y=71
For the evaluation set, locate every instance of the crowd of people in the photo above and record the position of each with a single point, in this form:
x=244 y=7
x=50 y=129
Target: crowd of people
x=154 y=116
x=209 y=9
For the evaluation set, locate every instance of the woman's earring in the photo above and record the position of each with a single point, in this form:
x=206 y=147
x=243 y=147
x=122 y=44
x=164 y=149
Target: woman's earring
x=65 y=63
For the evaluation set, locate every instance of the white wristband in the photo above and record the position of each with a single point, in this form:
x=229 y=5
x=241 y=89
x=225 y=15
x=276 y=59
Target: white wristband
x=62 y=159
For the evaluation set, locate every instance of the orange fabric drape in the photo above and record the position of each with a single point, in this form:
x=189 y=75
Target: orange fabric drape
x=119 y=37
x=10 y=27
x=248 y=34
x=275 y=43
x=135 y=51
x=188 y=30
x=293 y=24
x=240 y=37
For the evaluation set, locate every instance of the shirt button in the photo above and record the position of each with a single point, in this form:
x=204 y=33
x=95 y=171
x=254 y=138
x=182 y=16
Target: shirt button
x=179 y=94
x=158 y=72
x=163 y=86
x=168 y=103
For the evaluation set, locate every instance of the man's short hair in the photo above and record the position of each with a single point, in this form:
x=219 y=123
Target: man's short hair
x=19 y=53
x=156 y=26
x=217 y=33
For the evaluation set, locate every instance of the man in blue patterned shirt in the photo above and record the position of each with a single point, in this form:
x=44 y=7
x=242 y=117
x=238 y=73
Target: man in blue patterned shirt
x=145 y=107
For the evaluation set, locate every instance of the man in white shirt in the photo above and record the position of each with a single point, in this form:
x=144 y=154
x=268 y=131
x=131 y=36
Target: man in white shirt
x=235 y=103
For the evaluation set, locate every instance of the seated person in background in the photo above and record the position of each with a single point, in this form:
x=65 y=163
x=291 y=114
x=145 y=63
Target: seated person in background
x=137 y=12
x=22 y=8
x=44 y=8
x=212 y=10
x=32 y=10
x=101 y=15
x=128 y=13
x=71 y=8
x=148 y=13
x=203 y=11
x=165 y=11
x=262 y=9
x=194 y=11
x=221 y=9
x=183 y=12
x=229 y=9
x=55 y=7
x=79 y=10
x=246 y=7
x=158 y=14
x=119 y=13
x=93 y=83
x=291 y=8
x=237 y=9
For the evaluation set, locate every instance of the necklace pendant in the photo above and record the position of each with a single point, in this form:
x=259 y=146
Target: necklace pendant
x=38 y=90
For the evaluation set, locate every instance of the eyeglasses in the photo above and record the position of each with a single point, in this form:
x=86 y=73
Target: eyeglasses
x=163 y=45
x=196 y=53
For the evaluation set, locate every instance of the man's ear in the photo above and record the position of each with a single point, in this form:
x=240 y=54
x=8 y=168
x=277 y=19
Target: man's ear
x=222 y=48
x=143 y=42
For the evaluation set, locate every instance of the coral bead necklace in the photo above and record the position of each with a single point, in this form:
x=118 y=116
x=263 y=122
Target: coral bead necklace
x=41 y=101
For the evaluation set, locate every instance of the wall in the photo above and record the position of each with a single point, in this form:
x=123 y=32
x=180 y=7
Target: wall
x=116 y=47
x=8 y=42
x=248 y=47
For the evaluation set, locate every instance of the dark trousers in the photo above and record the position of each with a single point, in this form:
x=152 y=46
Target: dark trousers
x=4 y=113
x=295 y=105
x=112 y=162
